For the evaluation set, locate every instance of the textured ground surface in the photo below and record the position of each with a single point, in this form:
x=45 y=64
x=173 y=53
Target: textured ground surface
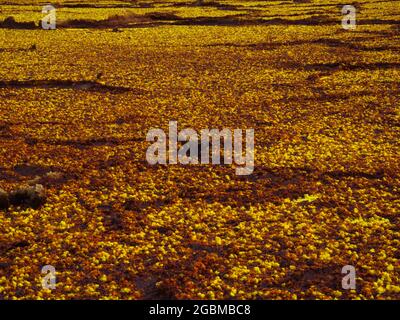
x=75 y=107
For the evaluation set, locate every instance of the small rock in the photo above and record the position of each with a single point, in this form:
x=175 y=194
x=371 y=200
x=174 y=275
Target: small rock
x=34 y=181
x=54 y=175
x=4 y=200
x=305 y=138
x=29 y=196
